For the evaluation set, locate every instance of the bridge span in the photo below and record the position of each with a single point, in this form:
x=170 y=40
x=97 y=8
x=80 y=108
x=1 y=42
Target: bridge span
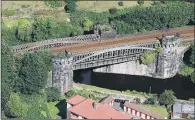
x=69 y=42
x=104 y=53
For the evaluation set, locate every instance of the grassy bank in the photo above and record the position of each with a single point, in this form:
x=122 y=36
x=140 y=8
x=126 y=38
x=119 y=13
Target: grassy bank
x=109 y=91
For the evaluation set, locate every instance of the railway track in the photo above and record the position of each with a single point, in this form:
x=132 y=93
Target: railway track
x=186 y=33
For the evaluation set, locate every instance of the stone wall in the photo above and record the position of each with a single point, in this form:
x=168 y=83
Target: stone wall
x=62 y=74
x=164 y=66
x=131 y=68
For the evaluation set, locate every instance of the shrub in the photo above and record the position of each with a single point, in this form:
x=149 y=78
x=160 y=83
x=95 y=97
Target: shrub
x=140 y=2
x=53 y=94
x=53 y=4
x=112 y=10
x=137 y=100
x=120 y=3
x=70 y=93
x=7 y=12
x=25 y=6
x=147 y=58
x=186 y=70
x=70 y=5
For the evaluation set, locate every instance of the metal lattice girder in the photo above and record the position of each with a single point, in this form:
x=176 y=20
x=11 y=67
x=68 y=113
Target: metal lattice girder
x=119 y=51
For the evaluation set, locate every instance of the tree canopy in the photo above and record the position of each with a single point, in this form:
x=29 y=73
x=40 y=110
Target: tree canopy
x=167 y=97
x=33 y=73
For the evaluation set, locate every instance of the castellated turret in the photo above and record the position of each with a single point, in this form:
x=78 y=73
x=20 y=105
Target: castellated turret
x=62 y=73
x=169 y=59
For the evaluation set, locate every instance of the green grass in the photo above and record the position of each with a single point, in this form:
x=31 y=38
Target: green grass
x=156 y=109
x=12 y=23
x=100 y=6
x=17 y=4
x=109 y=91
x=53 y=110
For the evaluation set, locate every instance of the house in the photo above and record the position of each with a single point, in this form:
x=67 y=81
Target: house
x=135 y=110
x=108 y=100
x=183 y=110
x=79 y=107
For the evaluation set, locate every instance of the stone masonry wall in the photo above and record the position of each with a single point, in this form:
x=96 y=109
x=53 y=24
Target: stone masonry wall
x=62 y=74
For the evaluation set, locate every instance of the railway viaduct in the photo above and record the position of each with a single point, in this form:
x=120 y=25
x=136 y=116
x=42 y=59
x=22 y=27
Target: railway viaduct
x=115 y=56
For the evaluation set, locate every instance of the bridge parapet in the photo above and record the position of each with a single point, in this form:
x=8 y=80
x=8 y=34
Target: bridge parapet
x=55 y=42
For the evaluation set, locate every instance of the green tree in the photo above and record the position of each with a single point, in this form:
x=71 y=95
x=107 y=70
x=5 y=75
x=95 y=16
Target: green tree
x=70 y=5
x=186 y=70
x=43 y=28
x=33 y=73
x=9 y=79
x=53 y=94
x=137 y=100
x=24 y=30
x=152 y=100
x=87 y=24
x=140 y=2
x=167 y=98
x=120 y=3
x=47 y=57
x=53 y=4
x=15 y=107
x=148 y=58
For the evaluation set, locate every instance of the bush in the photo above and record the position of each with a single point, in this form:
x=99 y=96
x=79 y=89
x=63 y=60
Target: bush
x=112 y=10
x=70 y=93
x=53 y=4
x=70 y=5
x=53 y=94
x=147 y=58
x=140 y=2
x=120 y=3
x=186 y=70
x=7 y=12
x=25 y=6
x=137 y=100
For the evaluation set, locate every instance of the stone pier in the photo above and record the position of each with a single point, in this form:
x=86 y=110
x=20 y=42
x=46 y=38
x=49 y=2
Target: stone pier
x=62 y=73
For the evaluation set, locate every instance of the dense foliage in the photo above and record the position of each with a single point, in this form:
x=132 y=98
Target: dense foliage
x=33 y=73
x=38 y=29
x=47 y=58
x=87 y=24
x=148 y=57
x=120 y=3
x=168 y=15
x=140 y=2
x=70 y=5
x=137 y=100
x=188 y=69
x=16 y=107
x=53 y=4
x=78 y=17
x=167 y=98
x=53 y=94
x=8 y=74
x=152 y=100
x=84 y=93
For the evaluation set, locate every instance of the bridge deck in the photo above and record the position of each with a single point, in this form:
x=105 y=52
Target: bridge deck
x=186 y=34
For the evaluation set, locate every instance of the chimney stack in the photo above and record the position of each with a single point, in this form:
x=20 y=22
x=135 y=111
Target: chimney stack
x=95 y=105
